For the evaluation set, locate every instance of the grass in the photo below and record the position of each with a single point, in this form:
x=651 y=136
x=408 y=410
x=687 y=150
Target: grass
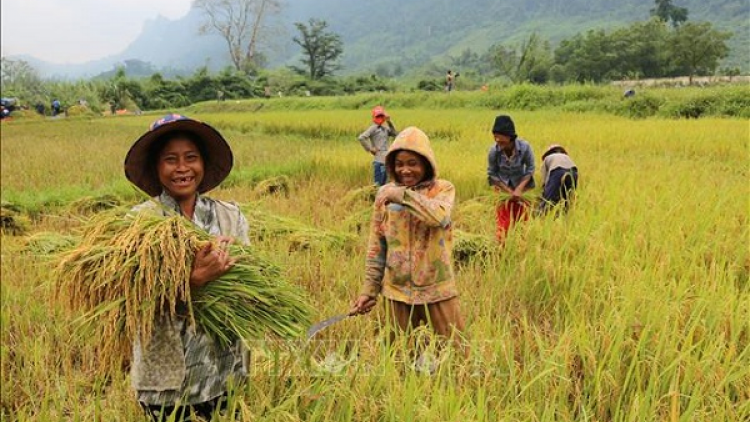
x=635 y=306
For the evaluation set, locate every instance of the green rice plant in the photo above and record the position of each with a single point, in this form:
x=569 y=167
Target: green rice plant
x=94 y=204
x=300 y=236
x=358 y=221
x=49 y=243
x=127 y=271
x=467 y=246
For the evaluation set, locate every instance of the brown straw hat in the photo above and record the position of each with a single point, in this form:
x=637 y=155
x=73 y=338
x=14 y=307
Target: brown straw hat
x=217 y=162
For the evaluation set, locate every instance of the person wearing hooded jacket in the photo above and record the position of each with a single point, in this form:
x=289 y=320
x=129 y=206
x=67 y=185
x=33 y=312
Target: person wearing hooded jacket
x=375 y=141
x=409 y=257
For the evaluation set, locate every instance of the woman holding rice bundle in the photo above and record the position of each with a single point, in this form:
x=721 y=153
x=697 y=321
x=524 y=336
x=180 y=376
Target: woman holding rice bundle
x=182 y=371
x=409 y=257
x=510 y=170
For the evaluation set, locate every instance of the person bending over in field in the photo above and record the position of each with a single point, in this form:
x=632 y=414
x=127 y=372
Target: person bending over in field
x=409 y=249
x=182 y=372
x=510 y=170
x=375 y=141
x=559 y=179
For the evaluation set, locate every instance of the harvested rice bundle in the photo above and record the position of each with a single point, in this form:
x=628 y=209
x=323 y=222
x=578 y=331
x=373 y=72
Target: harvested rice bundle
x=468 y=245
x=274 y=185
x=48 y=243
x=128 y=271
x=12 y=221
x=301 y=236
x=94 y=204
x=306 y=239
x=529 y=196
x=355 y=196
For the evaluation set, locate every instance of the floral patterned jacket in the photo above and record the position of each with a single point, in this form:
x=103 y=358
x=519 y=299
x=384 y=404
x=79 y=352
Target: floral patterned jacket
x=409 y=249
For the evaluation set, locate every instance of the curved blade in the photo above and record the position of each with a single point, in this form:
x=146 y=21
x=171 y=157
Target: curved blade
x=324 y=324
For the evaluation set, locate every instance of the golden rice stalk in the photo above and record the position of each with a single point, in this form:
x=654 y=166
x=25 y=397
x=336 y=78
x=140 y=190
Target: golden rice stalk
x=354 y=197
x=274 y=185
x=127 y=271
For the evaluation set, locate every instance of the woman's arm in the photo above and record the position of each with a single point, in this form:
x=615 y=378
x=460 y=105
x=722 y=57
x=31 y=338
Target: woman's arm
x=211 y=262
x=433 y=210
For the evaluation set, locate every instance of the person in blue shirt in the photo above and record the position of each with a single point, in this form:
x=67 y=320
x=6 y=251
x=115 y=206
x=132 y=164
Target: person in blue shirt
x=55 y=107
x=510 y=170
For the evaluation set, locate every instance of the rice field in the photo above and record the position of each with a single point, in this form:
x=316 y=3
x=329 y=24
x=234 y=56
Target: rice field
x=633 y=307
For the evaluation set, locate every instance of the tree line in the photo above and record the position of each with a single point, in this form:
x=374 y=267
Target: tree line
x=665 y=45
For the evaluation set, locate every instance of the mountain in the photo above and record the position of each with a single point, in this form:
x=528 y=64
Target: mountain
x=409 y=34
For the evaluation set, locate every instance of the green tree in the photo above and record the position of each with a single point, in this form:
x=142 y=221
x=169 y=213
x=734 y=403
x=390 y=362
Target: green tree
x=590 y=57
x=243 y=25
x=640 y=50
x=697 y=48
x=320 y=48
x=527 y=63
x=666 y=11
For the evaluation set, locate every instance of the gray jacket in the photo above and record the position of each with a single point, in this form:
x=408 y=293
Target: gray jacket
x=376 y=136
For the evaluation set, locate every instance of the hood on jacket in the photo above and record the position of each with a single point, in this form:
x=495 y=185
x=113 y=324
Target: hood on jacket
x=412 y=139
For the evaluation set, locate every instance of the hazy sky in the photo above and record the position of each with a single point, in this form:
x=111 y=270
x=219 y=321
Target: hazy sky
x=73 y=31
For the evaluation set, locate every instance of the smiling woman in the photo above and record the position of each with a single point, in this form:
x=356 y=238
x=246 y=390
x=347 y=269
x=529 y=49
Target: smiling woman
x=176 y=161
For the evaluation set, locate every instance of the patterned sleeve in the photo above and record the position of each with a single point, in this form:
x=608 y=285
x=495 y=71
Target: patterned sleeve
x=433 y=211
x=377 y=249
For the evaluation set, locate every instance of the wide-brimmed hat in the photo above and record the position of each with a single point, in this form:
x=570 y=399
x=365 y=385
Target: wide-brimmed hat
x=217 y=162
x=504 y=126
x=552 y=148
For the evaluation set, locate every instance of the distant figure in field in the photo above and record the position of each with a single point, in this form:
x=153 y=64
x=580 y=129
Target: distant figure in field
x=449 y=79
x=559 y=179
x=112 y=107
x=510 y=171
x=629 y=93
x=375 y=141
x=219 y=95
x=40 y=108
x=56 y=106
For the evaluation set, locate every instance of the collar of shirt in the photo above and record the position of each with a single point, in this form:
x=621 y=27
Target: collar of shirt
x=203 y=216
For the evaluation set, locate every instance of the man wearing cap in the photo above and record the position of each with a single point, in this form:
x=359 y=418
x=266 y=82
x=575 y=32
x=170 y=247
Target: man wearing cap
x=375 y=141
x=510 y=170
x=181 y=371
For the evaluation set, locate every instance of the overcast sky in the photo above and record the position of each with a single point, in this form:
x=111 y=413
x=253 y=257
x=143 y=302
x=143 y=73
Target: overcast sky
x=75 y=31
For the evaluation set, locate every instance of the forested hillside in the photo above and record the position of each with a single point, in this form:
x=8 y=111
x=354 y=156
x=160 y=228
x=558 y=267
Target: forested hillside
x=414 y=32
x=416 y=36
